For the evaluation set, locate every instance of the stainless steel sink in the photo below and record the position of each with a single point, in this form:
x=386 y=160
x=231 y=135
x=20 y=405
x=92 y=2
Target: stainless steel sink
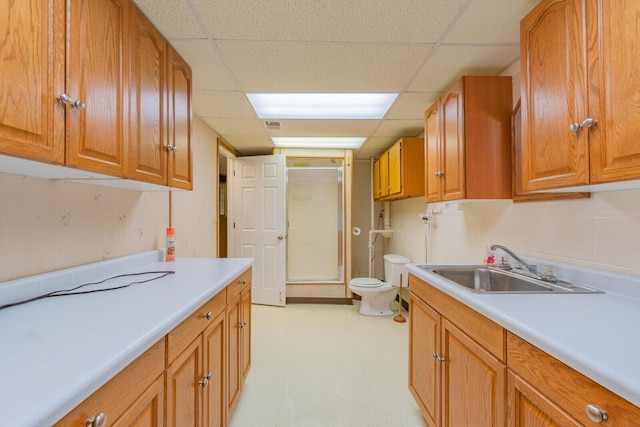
x=483 y=279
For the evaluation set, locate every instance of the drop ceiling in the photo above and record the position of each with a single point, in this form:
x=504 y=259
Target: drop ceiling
x=416 y=48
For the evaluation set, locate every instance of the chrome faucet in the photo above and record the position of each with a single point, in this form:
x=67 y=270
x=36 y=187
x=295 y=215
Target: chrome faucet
x=533 y=269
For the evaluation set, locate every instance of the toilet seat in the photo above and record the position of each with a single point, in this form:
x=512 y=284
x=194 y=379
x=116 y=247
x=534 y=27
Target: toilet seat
x=366 y=282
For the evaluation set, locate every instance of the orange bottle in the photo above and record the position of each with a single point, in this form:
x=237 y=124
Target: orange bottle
x=171 y=244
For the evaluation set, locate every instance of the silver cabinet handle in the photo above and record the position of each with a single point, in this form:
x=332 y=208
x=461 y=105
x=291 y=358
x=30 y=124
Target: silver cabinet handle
x=596 y=414
x=170 y=148
x=439 y=173
x=207 y=316
x=586 y=124
x=589 y=122
x=242 y=324
x=67 y=100
x=244 y=281
x=99 y=420
x=205 y=381
x=437 y=357
x=174 y=149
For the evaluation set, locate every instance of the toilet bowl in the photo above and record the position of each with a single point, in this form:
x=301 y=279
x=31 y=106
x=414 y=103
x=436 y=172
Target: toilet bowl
x=375 y=294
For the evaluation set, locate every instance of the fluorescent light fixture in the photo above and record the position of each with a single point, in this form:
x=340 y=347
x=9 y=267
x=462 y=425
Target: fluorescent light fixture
x=321 y=105
x=319 y=142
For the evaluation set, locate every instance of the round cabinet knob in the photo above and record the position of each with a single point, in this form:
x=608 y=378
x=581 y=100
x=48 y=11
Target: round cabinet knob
x=66 y=99
x=207 y=316
x=99 y=420
x=79 y=105
x=575 y=127
x=174 y=149
x=244 y=281
x=596 y=414
x=589 y=122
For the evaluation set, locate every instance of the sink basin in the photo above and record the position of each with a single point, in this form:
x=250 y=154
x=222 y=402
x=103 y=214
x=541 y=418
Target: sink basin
x=483 y=279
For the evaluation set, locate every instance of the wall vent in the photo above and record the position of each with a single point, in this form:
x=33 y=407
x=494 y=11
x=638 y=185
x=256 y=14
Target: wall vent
x=273 y=125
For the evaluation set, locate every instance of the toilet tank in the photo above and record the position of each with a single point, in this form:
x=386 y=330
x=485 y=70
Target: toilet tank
x=394 y=266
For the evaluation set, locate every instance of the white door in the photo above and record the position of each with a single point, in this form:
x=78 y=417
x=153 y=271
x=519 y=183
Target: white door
x=260 y=223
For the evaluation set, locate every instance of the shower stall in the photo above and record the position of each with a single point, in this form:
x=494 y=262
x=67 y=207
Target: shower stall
x=315 y=220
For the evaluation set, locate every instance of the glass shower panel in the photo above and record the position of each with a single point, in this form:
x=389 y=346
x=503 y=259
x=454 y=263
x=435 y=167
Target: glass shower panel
x=314 y=213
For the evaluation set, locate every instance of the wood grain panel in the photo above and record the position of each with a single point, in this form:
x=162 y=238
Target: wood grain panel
x=569 y=389
x=433 y=158
x=474 y=382
x=452 y=143
x=614 y=95
x=184 y=404
x=395 y=178
x=215 y=364
x=180 y=171
x=32 y=58
x=147 y=410
x=554 y=95
x=97 y=73
x=424 y=370
x=147 y=102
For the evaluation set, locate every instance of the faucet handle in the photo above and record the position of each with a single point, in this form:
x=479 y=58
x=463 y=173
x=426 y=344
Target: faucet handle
x=503 y=265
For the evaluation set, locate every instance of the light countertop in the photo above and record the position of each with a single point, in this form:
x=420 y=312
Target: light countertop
x=596 y=334
x=57 y=351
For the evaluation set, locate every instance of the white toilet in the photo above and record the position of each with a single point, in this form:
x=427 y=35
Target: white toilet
x=376 y=294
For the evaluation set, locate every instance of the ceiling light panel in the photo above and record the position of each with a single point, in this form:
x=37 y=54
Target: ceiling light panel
x=319 y=142
x=322 y=105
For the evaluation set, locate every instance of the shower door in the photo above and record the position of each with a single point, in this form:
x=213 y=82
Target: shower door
x=315 y=224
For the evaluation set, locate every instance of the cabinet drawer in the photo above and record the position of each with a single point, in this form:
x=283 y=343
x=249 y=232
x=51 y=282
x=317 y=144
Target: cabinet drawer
x=569 y=389
x=491 y=335
x=237 y=285
x=121 y=391
x=183 y=334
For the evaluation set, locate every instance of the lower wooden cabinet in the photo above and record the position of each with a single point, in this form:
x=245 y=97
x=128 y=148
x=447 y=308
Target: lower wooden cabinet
x=465 y=370
x=454 y=379
x=191 y=377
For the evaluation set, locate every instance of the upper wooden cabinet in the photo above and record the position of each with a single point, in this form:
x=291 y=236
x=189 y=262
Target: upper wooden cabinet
x=82 y=79
x=160 y=109
x=66 y=105
x=579 y=121
x=467 y=141
x=400 y=171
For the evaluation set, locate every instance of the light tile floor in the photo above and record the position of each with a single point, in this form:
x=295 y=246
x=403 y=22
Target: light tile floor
x=326 y=366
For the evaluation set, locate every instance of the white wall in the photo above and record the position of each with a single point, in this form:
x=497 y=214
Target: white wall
x=47 y=225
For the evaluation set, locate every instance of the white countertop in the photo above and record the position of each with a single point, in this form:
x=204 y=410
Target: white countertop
x=596 y=334
x=56 y=352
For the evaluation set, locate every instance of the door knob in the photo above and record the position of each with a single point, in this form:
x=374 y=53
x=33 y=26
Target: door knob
x=280 y=237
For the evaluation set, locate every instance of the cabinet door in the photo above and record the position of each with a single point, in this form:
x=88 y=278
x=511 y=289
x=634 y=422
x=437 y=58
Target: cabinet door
x=147 y=410
x=553 y=43
x=245 y=349
x=424 y=371
x=384 y=174
x=613 y=93
x=527 y=407
x=377 y=189
x=395 y=181
x=32 y=58
x=214 y=361
x=452 y=143
x=180 y=115
x=234 y=339
x=147 y=102
x=433 y=157
x=183 y=387
x=97 y=67
x=473 y=382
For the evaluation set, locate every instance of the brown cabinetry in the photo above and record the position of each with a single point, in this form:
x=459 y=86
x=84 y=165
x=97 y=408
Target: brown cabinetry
x=160 y=109
x=468 y=141
x=457 y=372
x=239 y=337
x=578 y=124
x=400 y=171
x=93 y=86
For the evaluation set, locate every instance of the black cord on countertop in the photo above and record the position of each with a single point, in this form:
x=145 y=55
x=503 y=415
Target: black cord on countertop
x=66 y=292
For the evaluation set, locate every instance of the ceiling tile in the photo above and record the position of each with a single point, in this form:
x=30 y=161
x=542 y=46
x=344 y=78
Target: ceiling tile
x=172 y=17
x=412 y=105
x=400 y=128
x=227 y=127
x=209 y=72
x=251 y=145
x=495 y=21
x=208 y=103
x=450 y=62
x=322 y=67
x=407 y=21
